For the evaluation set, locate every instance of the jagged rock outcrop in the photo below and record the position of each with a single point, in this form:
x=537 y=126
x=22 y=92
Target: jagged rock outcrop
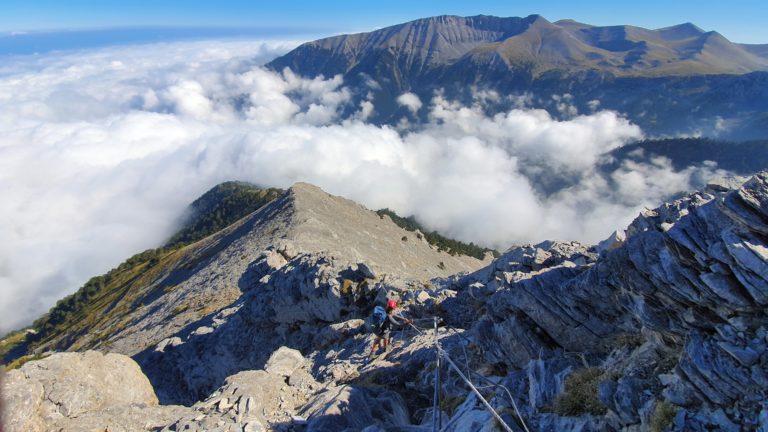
x=283 y=306
x=674 y=317
x=82 y=391
x=284 y=362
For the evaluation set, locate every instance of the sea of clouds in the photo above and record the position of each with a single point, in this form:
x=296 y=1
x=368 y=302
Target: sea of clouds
x=102 y=150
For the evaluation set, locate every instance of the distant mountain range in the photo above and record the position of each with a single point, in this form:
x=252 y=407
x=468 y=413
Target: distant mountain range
x=674 y=80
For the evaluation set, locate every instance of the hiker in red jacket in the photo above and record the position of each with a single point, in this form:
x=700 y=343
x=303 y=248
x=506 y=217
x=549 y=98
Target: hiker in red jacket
x=382 y=333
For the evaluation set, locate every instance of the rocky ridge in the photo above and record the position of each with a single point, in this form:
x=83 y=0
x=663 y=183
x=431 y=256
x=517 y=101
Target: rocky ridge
x=210 y=275
x=534 y=43
x=663 y=328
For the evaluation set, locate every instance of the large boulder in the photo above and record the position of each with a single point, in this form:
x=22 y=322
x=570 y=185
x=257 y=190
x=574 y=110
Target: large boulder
x=284 y=361
x=47 y=394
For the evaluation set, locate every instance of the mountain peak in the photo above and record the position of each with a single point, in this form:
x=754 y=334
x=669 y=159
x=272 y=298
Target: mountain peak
x=306 y=188
x=680 y=31
x=514 y=55
x=429 y=47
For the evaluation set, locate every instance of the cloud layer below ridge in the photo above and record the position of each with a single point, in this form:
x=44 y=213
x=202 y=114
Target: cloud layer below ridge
x=101 y=150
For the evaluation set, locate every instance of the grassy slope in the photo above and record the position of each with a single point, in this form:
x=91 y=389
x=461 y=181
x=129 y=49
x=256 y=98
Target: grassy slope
x=110 y=297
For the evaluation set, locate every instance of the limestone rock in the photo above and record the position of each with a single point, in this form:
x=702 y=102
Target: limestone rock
x=337 y=332
x=248 y=400
x=470 y=416
x=724 y=184
x=284 y=361
x=66 y=386
x=123 y=418
x=690 y=282
x=354 y=408
x=422 y=297
x=615 y=240
x=275 y=260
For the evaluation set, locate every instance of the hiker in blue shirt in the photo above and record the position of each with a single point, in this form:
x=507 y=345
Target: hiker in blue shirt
x=384 y=329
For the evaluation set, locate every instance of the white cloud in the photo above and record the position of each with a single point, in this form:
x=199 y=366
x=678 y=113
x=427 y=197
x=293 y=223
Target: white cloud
x=564 y=105
x=410 y=101
x=101 y=150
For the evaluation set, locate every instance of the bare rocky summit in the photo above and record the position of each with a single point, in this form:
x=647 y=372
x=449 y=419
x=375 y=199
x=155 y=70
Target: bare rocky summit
x=350 y=232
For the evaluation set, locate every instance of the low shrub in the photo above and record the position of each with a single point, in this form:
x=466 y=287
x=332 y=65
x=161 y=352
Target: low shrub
x=663 y=416
x=580 y=394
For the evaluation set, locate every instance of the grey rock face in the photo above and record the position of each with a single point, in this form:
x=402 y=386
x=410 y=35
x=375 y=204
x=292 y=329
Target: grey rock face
x=689 y=283
x=72 y=391
x=302 y=294
x=470 y=416
x=284 y=361
x=249 y=400
x=615 y=240
x=123 y=418
x=348 y=408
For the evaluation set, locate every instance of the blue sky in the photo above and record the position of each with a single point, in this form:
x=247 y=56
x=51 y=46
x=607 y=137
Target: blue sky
x=739 y=20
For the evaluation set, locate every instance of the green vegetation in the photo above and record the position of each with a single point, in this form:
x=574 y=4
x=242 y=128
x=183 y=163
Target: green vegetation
x=123 y=288
x=453 y=247
x=110 y=292
x=71 y=304
x=17 y=363
x=219 y=208
x=630 y=340
x=13 y=342
x=580 y=394
x=663 y=416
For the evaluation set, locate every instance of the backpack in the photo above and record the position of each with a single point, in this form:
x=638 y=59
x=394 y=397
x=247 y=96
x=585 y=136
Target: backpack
x=377 y=318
